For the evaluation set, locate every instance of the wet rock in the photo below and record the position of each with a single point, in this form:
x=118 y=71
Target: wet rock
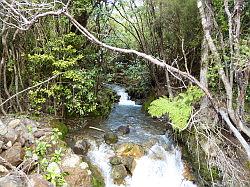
x=3 y=171
x=110 y=138
x=130 y=149
x=129 y=163
x=81 y=147
x=15 y=154
x=148 y=144
x=13 y=180
x=37 y=180
x=123 y=129
x=115 y=160
x=118 y=173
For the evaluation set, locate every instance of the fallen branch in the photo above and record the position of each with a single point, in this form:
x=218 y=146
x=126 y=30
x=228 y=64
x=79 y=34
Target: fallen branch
x=101 y=130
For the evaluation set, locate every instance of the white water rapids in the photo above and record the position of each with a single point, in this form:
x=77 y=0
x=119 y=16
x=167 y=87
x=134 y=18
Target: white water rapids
x=160 y=167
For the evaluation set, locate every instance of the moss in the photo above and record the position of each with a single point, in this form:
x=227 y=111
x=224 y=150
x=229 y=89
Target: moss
x=148 y=101
x=199 y=165
x=55 y=123
x=248 y=165
x=97 y=178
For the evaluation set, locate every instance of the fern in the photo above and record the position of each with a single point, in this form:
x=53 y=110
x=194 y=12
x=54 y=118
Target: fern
x=178 y=109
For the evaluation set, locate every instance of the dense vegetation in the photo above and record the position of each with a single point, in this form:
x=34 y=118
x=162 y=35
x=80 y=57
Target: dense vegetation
x=52 y=64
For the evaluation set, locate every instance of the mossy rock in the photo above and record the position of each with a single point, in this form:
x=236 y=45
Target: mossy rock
x=97 y=178
x=55 y=123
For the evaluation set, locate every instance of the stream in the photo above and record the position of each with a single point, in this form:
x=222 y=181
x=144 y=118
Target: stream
x=161 y=166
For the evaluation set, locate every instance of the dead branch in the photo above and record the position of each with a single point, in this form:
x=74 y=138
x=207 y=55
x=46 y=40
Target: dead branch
x=29 y=88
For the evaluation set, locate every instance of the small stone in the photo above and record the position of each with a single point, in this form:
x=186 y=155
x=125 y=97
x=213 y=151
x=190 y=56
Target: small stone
x=110 y=138
x=84 y=165
x=89 y=172
x=11 y=135
x=9 y=144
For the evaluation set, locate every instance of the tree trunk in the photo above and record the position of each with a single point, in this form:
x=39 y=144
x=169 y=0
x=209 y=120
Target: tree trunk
x=204 y=71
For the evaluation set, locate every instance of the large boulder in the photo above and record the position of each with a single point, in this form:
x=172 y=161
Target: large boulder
x=110 y=138
x=15 y=154
x=81 y=147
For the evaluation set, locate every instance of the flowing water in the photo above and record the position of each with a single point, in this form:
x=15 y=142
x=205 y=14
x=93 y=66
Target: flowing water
x=160 y=167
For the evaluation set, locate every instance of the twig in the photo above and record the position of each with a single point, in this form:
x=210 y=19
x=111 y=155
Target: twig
x=29 y=88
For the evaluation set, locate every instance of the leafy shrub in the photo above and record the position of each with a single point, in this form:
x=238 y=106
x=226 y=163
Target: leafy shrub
x=178 y=109
x=74 y=89
x=48 y=162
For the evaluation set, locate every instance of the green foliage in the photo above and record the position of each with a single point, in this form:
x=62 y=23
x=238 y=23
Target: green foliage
x=60 y=127
x=74 y=89
x=48 y=161
x=105 y=99
x=178 y=109
x=137 y=79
